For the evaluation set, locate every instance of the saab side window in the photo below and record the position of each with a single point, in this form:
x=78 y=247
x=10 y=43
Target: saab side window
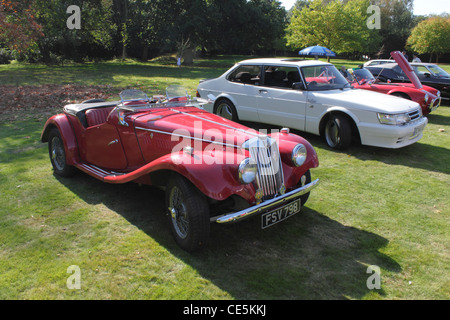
x=281 y=77
x=245 y=74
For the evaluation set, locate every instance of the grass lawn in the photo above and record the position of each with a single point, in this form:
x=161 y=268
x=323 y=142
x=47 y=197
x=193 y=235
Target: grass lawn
x=374 y=207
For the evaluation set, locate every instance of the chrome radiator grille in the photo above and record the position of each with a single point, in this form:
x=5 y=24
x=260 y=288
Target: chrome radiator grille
x=265 y=153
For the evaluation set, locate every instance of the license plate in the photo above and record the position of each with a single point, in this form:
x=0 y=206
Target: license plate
x=277 y=215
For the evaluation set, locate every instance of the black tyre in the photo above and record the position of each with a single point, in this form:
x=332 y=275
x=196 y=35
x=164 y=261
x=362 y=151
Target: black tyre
x=226 y=109
x=338 y=132
x=305 y=197
x=57 y=154
x=188 y=214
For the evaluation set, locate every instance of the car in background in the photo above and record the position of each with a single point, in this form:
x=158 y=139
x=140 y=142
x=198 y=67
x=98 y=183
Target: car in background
x=427 y=97
x=428 y=73
x=212 y=169
x=377 y=62
x=312 y=96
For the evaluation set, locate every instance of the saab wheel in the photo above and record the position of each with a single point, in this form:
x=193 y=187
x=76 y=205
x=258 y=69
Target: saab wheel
x=188 y=213
x=226 y=109
x=338 y=132
x=57 y=155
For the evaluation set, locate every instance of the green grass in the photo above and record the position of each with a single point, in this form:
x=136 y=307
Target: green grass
x=374 y=206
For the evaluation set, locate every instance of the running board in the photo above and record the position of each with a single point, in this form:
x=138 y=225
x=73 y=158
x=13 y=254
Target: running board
x=97 y=172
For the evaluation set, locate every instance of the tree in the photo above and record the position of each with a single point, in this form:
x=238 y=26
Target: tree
x=19 y=29
x=431 y=36
x=397 y=20
x=339 y=26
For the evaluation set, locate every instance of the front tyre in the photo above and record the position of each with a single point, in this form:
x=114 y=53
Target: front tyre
x=57 y=155
x=188 y=214
x=338 y=132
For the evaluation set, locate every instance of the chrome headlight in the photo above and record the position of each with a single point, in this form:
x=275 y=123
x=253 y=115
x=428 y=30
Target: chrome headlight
x=247 y=171
x=299 y=155
x=394 y=119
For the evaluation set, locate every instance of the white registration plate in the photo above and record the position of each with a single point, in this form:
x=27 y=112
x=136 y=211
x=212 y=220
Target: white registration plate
x=277 y=215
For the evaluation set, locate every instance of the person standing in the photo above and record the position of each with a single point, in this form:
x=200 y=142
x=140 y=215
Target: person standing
x=416 y=58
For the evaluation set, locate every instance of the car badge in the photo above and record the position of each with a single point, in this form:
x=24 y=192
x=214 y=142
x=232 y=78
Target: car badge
x=282 y=189
x=258 y=196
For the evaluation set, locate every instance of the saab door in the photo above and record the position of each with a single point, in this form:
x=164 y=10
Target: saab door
x=278 y=103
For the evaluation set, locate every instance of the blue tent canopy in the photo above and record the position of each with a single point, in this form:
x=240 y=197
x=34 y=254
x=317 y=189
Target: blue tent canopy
x=317 y=51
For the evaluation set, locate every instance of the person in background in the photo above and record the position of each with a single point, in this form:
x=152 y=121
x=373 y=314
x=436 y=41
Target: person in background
x=405 y=55
x=344 y=72
x=416 y=58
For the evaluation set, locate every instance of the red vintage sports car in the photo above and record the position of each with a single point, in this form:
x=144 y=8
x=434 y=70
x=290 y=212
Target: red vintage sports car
x=198 y=157
x=427 y=97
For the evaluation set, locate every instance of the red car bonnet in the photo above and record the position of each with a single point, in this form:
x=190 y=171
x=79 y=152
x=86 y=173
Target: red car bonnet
x=407 y=69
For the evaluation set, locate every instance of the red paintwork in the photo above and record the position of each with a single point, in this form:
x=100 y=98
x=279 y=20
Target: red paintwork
x=116 y=153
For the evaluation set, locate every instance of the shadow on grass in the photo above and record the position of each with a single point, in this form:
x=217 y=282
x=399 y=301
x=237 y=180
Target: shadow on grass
x=308 y=256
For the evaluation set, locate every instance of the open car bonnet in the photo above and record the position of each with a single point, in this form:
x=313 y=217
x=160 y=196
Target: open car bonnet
x=407 y=69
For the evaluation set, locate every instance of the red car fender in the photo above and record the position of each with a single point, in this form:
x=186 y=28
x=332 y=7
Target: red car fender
x=61 y=122
x=215 y=181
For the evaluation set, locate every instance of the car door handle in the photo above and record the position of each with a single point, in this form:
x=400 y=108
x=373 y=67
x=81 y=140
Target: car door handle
x=113 y=142
x=262 y=91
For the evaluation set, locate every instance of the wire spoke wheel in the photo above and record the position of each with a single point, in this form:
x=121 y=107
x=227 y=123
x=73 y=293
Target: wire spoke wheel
x=58 y=155
x=188 y=214
x=178 y=213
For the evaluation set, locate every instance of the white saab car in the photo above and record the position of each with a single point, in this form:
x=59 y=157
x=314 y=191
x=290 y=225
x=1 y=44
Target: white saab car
x=312 y=96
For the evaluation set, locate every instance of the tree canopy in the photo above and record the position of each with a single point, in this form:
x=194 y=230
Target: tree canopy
x=36 y=30
x=431 y=36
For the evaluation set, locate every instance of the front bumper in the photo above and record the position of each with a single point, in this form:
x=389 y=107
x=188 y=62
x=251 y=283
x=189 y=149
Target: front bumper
x=266 y=206
x=391 y=136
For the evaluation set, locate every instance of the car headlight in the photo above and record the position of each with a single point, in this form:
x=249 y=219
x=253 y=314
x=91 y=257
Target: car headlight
x=247 y=171
x=299 y=155
x=394 y=119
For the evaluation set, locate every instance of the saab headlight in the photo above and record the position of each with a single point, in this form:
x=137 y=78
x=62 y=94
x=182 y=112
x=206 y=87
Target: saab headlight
x=247 y=171
x=299 y=155
x=394 y=119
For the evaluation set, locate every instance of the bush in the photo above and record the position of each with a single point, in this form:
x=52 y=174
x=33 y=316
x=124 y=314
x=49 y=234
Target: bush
x=5 y=56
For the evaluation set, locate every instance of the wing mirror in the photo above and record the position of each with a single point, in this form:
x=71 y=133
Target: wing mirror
x=298 y=86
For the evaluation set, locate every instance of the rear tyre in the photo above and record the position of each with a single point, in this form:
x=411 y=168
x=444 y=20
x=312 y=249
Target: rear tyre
x=188 y=214
x=338 y=132
x=226 y=109
x=57 y=154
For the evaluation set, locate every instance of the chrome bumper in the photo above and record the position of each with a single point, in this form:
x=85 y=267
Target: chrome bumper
x=266 y=205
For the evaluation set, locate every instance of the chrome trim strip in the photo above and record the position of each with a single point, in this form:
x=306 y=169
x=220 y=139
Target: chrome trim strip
x=189 y=137
x=266 y=205
x=221 y=124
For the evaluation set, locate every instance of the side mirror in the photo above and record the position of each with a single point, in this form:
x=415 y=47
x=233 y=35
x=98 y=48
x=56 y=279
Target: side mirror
x=298 y=86
x=427 y=75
